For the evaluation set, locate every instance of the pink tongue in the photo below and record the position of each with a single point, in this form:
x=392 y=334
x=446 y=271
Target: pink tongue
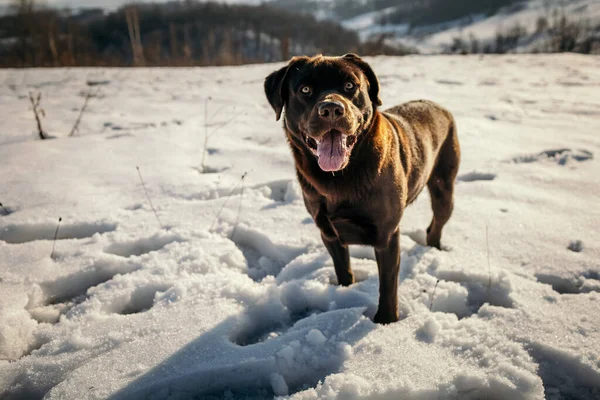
x=331 y=151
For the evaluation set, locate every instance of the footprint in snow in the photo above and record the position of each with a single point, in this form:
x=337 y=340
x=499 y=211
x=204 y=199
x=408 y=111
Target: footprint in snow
x=263 y=257
x=564 y=375
x=23 y=233
x=281 y=191
x=61 y=295
x=449 y=82
x=119 y=135
x=477 y=176
x=559 y=156
x=305 y=345
x=142 y=246
x=586 y=282
x=4 y=211
x=210 y=170
x=576 y=246
x=134 y=207
x=139 y=301
x=250 y=333
x=463 y=294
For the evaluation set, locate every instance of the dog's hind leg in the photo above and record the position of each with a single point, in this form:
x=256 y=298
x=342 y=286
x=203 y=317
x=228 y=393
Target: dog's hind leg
x=441 y=186
x=341 y=260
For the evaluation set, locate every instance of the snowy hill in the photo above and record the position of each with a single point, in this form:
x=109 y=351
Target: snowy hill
x=434 y=26
x=435 y=38
x=228 y=292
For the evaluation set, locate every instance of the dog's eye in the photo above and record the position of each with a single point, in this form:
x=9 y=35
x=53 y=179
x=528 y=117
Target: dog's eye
x=305 y=89
x=349 y=86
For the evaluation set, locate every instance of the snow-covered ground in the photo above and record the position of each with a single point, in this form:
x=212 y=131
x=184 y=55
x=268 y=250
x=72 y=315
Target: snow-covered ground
x=232 y=294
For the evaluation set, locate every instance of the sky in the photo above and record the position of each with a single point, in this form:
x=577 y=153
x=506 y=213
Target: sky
x=108 y=4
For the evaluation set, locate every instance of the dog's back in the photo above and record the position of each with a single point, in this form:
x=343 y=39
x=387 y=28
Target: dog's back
x=424 y=129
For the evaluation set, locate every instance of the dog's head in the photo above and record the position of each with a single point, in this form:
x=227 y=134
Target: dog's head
x=329 y=102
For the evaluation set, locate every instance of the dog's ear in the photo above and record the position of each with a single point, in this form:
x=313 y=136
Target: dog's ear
x=371 y=77
x=276 y=86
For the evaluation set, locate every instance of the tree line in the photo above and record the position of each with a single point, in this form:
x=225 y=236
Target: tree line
x=170 y=34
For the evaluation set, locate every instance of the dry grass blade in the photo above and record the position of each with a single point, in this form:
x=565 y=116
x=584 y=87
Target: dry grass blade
x=35 y=104
x=487 y=245
x=55 y=236
x=208 y=135
x=90 y=94
x=148 y=197
x=227 y=200
x=237 y=218
x=433 y=295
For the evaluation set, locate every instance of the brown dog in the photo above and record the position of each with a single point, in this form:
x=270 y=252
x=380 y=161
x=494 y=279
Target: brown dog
x=359 y=168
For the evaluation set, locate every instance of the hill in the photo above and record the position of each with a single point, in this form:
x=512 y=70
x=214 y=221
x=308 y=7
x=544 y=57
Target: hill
x=442 y=26
x=530 y=25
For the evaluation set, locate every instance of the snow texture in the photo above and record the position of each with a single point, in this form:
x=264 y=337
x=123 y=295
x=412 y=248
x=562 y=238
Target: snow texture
x=232 y=294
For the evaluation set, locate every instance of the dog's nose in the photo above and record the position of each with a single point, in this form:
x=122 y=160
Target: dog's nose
x=331 y=110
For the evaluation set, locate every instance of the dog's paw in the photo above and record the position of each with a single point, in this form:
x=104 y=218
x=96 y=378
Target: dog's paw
x=385 y=317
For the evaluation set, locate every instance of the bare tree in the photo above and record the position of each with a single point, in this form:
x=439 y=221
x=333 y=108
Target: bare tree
x=566 y=34
x=133 y=25
x=173 y=42
x=52 y=34
x=24 y=10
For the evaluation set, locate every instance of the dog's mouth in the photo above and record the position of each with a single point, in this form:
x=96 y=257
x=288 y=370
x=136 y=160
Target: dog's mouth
x=332 y=149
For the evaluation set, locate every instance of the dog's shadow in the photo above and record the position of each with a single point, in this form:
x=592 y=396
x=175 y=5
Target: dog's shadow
x=253 y=356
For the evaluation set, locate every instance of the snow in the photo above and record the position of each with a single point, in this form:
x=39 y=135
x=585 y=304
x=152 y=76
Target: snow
x=232 y=294
x=367 y=24
x=315 y=337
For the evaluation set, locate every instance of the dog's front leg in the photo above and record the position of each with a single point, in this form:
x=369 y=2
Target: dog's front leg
x=341 y=260
x=388 y=263
x=337 y=250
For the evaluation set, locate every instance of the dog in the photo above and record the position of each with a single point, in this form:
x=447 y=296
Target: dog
x=358 y=167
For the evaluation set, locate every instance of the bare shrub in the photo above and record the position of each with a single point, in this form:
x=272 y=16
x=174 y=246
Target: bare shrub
x=38 y=112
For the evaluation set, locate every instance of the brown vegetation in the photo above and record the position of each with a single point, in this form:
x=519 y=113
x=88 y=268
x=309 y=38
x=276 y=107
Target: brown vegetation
x=170 y=34
x=38 y=112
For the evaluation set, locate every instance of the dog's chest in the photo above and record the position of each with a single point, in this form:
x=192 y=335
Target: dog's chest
x=353 y=224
